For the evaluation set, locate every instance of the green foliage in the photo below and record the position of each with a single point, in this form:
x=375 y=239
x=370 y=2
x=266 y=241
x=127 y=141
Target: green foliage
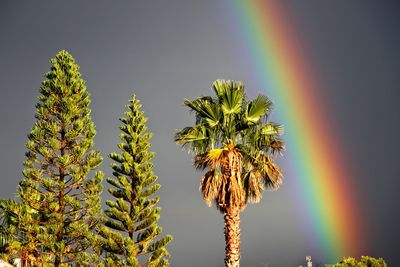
x=60 y=197
x=8 y=221
x=227 y=125
x=130 y=228
x=365 y=261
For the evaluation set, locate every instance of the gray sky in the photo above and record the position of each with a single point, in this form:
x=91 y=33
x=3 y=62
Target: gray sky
x=166 y=51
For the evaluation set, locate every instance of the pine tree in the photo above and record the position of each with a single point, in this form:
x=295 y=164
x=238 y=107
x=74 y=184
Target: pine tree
x=8 y=219
x=131 y=220
x=59 y=194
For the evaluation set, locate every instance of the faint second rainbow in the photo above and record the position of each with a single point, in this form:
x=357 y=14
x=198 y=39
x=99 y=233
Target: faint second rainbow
x=324 y=182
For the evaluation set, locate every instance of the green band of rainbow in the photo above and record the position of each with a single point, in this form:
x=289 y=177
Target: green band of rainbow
x=319 y=161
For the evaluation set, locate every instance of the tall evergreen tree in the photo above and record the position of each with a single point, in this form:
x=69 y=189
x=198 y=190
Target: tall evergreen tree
x=59 y=193
x=131 y=224
x=8 y=219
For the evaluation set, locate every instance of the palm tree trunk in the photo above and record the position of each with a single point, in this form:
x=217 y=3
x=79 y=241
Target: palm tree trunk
x=232 y=237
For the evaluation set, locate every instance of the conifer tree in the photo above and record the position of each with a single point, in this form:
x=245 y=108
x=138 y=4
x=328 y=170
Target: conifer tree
x=60 y=191
x=8 y=219
x=131 y=220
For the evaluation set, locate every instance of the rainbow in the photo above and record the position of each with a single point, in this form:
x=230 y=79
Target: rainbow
x=277 y=60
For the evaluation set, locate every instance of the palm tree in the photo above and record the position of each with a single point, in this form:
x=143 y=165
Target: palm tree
x=234 y=142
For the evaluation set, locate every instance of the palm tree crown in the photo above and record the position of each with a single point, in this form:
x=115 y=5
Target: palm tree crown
x=233 y=140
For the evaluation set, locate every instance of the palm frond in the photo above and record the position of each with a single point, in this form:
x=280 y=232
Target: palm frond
x=232 y=98
x=196 y=139
x=257 y=108
x=219 y=87
x=272 y=129
x=230 y=95
x=191 y=134
x=231 y=193
x=209 y=185
x=253 y=186
x=272 y=175
x=213 y=158
x=264 y=138
x=206 y=110
x=276 y=146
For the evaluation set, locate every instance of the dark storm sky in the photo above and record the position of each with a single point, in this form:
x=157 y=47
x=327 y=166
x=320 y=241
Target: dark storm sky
x=166 y=51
